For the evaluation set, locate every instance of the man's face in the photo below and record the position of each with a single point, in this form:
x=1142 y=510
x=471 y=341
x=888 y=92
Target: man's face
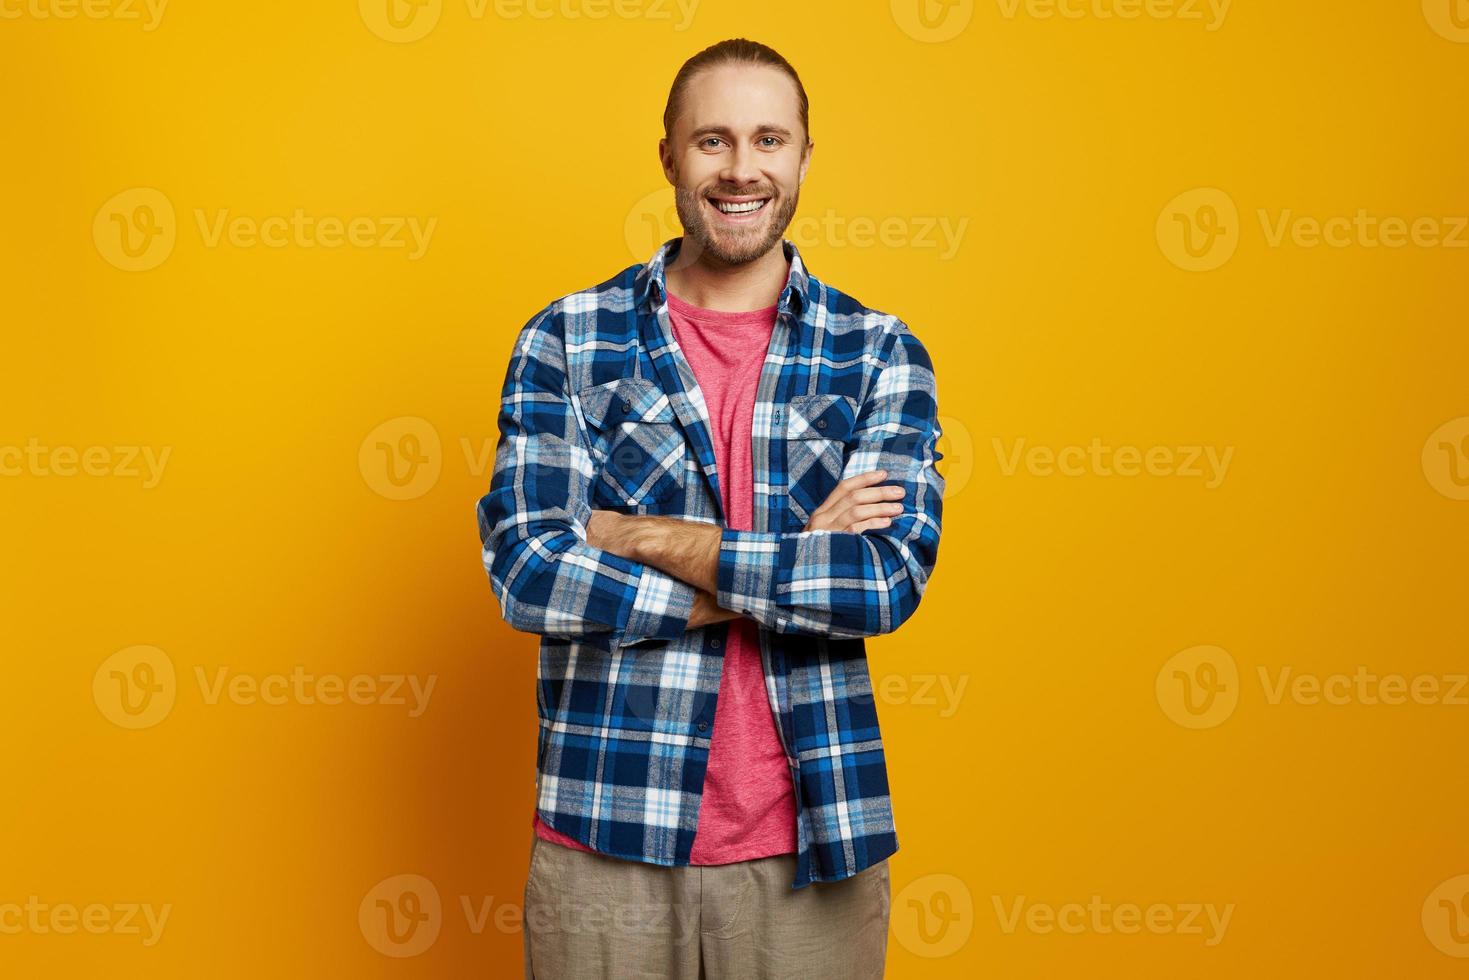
x=736 y=159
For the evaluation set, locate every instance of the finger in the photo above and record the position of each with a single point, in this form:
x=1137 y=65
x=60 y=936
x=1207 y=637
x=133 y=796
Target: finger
x=860 y=480
x=875 y=522
x=865 y=511
x=841 y=499
x=869 y=495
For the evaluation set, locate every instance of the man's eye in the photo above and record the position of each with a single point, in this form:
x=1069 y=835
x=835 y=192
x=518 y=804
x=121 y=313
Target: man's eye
x=770 y=142
x=710 y=139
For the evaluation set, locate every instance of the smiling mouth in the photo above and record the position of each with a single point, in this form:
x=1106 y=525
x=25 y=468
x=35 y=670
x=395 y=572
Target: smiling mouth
x=739 y=209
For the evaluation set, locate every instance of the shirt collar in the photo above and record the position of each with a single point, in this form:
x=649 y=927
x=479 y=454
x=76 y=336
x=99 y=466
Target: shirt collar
x=650 y=288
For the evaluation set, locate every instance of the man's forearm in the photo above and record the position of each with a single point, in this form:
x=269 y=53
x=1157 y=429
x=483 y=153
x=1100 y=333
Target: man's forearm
x=687 y=550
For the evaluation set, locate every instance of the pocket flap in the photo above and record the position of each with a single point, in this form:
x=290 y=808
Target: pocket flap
x=625 y=400
x=821 y=417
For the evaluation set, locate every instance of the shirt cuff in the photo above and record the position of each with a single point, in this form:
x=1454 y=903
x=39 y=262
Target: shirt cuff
x=660 y=608
x=750 y=565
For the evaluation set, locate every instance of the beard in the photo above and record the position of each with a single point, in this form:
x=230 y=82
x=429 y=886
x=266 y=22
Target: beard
x=731 y=245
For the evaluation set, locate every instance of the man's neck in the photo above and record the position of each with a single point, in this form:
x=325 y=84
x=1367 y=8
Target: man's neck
x=713 y=285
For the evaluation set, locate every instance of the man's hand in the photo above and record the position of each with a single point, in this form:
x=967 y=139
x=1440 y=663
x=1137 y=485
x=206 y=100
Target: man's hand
x=708 y=610
x=857 y=504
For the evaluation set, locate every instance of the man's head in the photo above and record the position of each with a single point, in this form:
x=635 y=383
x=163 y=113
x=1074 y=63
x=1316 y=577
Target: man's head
x=736 y=144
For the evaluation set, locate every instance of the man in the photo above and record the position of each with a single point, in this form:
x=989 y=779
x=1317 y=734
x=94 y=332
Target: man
x=715 y=476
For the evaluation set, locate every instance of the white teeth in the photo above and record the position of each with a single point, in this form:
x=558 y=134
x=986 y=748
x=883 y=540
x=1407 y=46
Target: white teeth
x=747 y=207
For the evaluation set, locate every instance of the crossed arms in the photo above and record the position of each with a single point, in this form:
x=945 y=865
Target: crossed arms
x=563 y=570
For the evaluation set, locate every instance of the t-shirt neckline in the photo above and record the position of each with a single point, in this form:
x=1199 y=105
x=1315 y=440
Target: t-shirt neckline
x=721 y=316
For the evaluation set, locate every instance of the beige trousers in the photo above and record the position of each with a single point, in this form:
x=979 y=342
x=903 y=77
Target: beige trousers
x=593 y=917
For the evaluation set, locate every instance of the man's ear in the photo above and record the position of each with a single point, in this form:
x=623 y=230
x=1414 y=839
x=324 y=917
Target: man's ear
x=806 y=161
x=663 y=160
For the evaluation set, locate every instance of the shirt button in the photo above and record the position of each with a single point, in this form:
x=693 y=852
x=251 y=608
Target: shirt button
x=714 y=643
x=627 y=406
x=821 y=423
x=703 y=726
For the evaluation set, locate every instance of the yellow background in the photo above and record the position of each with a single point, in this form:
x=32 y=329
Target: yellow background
x=1060 y=773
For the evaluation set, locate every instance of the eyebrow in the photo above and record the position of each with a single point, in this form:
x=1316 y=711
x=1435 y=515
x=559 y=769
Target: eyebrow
x=763 y=128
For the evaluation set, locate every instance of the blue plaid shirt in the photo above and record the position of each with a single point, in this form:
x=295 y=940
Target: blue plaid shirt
x=600 y=409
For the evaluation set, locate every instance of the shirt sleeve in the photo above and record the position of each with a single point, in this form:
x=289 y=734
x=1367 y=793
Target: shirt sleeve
x=843 y=584
x=532 y=523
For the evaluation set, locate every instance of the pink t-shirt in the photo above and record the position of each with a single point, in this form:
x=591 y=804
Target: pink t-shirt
x=749 y=805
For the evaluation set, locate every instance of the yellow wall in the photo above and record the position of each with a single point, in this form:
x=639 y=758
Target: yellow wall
x=1015 y=186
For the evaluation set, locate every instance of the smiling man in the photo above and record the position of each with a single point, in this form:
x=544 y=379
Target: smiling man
x=716 y=476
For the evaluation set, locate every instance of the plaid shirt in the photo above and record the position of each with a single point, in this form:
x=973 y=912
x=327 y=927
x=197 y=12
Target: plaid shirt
x=600 y=409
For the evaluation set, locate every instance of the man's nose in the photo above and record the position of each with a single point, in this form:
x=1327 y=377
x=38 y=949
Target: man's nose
x=741 y=169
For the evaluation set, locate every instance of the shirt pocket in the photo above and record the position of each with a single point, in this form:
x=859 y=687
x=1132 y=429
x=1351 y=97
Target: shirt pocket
x=818 y=428
x=638 y=448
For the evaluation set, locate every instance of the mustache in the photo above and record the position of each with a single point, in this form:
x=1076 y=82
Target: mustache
x=740 y=192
